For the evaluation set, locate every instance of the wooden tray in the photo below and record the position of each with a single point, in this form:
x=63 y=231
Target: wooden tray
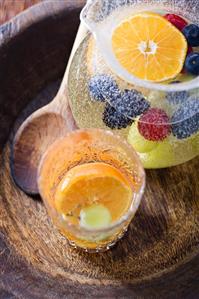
x=158 y=257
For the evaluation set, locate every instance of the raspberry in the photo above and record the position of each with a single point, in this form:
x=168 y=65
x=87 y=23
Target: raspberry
x=177 y=21
x=154 y=125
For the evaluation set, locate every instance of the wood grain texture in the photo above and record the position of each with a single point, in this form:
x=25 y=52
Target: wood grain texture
x=158 y=257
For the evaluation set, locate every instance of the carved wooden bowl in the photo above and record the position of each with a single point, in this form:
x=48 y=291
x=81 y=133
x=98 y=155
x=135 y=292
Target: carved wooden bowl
x=157 y=258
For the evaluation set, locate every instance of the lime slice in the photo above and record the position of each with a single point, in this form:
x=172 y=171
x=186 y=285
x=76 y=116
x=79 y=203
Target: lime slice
x=95 y=217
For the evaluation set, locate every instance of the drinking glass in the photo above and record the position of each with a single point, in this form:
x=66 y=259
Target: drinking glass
x=86 y=147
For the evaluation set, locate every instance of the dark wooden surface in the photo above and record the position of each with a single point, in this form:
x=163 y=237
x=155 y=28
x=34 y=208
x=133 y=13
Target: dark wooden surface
x=158 y=258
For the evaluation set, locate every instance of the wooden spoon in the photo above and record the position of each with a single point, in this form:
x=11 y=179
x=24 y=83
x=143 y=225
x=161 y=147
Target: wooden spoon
x=33 y=138
x=39 y=131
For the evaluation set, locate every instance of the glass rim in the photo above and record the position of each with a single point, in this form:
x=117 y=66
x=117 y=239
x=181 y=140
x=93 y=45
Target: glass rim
x=136 y=195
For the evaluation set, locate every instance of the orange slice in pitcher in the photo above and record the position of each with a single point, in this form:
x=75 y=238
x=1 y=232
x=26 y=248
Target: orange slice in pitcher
x=149 y=47
x=93 y=185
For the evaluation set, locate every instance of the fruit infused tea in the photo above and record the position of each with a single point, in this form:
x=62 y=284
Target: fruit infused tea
x=92 y=183
x=137 y=73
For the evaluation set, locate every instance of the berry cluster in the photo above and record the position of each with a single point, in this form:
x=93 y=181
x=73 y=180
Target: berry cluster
x=191 y=33
x=122 y=107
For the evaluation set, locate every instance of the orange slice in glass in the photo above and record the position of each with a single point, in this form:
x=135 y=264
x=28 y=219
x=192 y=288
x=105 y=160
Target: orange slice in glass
x=149 y=47
x=92 y=185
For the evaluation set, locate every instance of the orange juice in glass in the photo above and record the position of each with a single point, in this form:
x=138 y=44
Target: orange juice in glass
x=92 y=183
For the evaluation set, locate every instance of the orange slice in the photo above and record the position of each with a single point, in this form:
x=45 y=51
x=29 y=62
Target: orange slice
x=93 y=184
x=149 y=47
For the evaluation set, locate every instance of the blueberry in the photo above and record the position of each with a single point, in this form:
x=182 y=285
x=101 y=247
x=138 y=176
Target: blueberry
x=130 y=103
x=102 y=87
x=115 y=120
x=177 y=97
x=186 y=120
x=191 y=32
x=192 y=63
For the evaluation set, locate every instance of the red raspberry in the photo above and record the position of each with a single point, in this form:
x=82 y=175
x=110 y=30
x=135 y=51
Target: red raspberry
x=154 y=125
x=177 y=21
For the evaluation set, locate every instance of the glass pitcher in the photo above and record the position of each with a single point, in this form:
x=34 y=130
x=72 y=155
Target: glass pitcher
x=159 y=116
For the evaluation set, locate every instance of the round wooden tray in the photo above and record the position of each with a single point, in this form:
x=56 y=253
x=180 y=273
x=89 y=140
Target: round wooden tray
x=158 y=257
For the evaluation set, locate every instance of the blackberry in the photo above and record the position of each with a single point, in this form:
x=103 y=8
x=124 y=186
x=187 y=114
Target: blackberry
x=186 y=120
x=130 y=103
x=102 y=87
x=177 y=97
x=114 y=119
